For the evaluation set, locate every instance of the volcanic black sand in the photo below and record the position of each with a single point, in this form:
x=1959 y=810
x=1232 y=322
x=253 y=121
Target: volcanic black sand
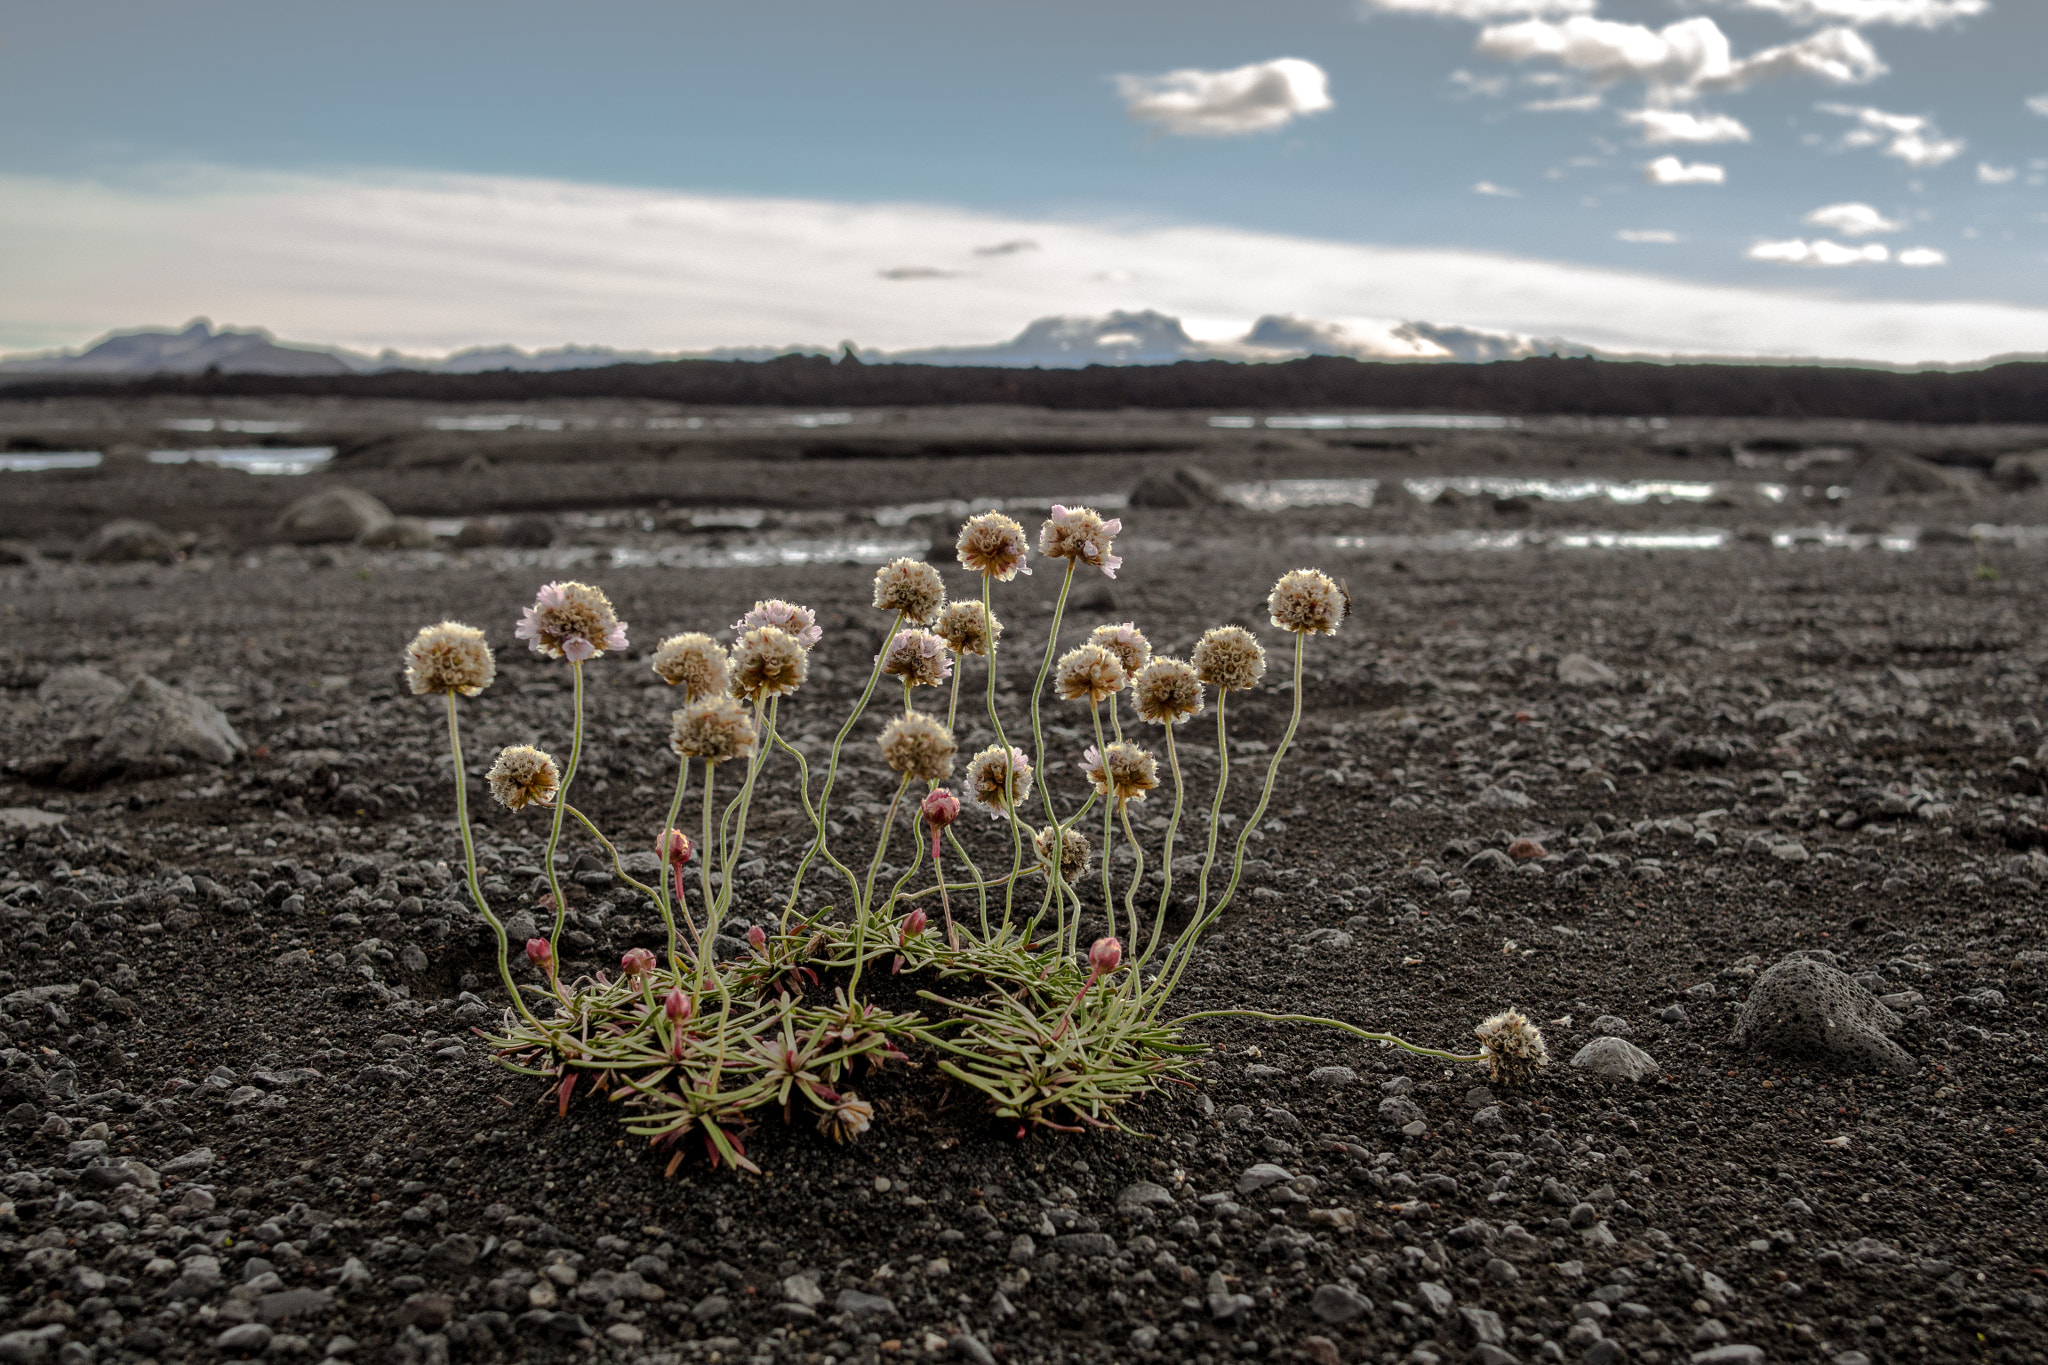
x=245 y=1111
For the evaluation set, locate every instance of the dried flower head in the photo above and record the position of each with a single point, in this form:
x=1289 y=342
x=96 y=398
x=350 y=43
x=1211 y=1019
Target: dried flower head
x=1082 y=535
x=999 y=780
x=965 y=631
x=1075 y=852
x=800 y=622
x=694 y=662
x=1230 y=659
x=993 y=545
x=1167 y=692
x=450 y=657
x=919 y=658
x=1088 y=674
x=1309 y=602
x=571 y=621
x=716 y=729
x=523 y=776
x=1130 y=772
x=919 y=747
x=847 y=1119
x=767 y=661
x=1513 y=1047
x=1128 y=643
x=911 y=587
x=636 y=962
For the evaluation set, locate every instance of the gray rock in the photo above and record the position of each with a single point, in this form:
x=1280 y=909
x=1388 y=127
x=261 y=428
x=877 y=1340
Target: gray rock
x=1259 y=1176
x=1613 y=1026
x=250 y=1338
x=1182 y=487
x=128 y=541
x=1333 y=1076
x=1615 y=1059
x=1085 y=1244
x=1581 y=670
x=399 y=533
x=1397 y=1111
x=1804 y=1009
x=1489 y=860
x=860 y=1306
x=1223 y=1304
x=713 y=1306
x=1022 y=1249
x=803 y=1289
x=1143 y=1194
x=1673 y=1014
x=1338 y=1303
x=1483 y=1326
x=153 y=731
x=294 y=1303
x=1734 y=1353
x=27 y=817
x=1890 y=474
x=1436 y=1297
x=332 y=516
x=79 y=686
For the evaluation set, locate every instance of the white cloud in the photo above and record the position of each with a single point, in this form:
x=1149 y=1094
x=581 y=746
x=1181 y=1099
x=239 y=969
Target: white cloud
x=1922 y=256
x=1913 y=13
x=1498 y=191
x=1661 y=126
x=1820 y=253
x=1478 y=10
x=1478 y=87
x=1566 y=104
x=1248 y=99
x=1912 y=138
x=1854 y=220
x=2039 y=104
x=1988 y=174
x=434 y=263
x=1680 y=60
x=1669 y=170
x=1656 y=236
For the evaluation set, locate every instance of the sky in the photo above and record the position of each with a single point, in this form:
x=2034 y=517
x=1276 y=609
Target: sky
x=1840 y=178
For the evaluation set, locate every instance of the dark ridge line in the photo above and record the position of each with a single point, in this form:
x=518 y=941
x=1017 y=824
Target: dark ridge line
x=2016 y=392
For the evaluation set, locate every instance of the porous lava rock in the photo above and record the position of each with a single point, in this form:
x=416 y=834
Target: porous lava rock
x=1805 y=1010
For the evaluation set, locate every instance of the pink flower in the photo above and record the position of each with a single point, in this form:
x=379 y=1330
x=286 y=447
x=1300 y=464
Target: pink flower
x=940 y=808
x=1081 y=534
x=800 y=622
x=1103 y=956
x=637 y=962
x=571 y=621
x=540 y=953
x=913 y=925
x=757 y=939
x=674 y=848
x=676 y=1006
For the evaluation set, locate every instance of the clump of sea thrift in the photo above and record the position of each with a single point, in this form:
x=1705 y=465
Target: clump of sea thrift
x=1127 y=643
x=999 y=780
x=1082 y=535
x=1307 y=602
x=1088 y=674
x=1128 y=774
x=767 y=661
x=450 y=657
x=1513 y=1047
x=717 y=730
x=800 y=622
x=1230 y=659
x=1167 y=692
x=1076 y=853
x=961 y=627
x=918 y=657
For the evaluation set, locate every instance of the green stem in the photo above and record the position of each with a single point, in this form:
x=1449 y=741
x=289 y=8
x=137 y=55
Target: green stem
x=1052 y=644
x=988 y=631
x=668 y=918
x=561 y=805
x=1166 y=854
x=1215 y=805
x=1131 y=892
x=803 y=787
x=476 y=891
x=745 y=802
x=1339 y=1024
x=953 y=705
x=618 y=867
x=863 y=906
x=832 y=764
x=1109 y=807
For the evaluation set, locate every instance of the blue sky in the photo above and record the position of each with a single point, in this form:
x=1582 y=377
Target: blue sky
x=282 y=163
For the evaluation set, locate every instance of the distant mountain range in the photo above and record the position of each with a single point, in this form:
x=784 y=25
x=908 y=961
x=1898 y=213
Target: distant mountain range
x=1121 y=338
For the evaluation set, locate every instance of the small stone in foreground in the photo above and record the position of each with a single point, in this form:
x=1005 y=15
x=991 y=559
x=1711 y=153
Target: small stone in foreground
x=1615 y=1059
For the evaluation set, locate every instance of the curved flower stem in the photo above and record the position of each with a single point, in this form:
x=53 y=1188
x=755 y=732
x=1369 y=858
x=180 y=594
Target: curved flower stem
x=862 y=907
x=1131 y=891
x=1116 y=725
x=663 y=902
x=1016 y=820
x=953 y=705
x=561 y=804
x=1109 y=809
x=803 y=787
x=730 y=858
x=832 y=764
x=1052 y=644
x=476 y=891
x=1215 y=813
x=704 y=962
x=980 y=886
x=1339 y=1024
x=1166 y=854
x=755 y=762
x=642 y=887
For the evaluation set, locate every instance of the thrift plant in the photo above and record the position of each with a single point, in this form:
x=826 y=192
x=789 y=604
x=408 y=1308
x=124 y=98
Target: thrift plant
x=1047 y=1030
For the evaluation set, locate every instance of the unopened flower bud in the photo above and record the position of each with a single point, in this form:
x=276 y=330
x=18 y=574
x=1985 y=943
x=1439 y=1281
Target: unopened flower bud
x=540 y=952
x=757 y=939
x=637 y=962
x=940 y=808
x=676 y=1006
x=674 y=848
x=1103 y=956
x=913 y=925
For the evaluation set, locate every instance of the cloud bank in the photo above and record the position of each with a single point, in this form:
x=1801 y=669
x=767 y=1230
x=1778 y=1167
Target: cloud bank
x=433 y=264
x=1258 y=98
x=1680 y=60
x=1908 y=13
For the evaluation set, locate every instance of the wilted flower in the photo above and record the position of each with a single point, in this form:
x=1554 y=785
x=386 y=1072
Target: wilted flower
x=993 y=545
x=1131 y=772
x=1127 y=642
x=1308 y=602
x=1513 y=1047
x=998 y=779
x=636 y=962
x=767 y=661
x=694 y=662
x=1075 y=852
x=1167 y=692
x=673 y=848
x=964 y=630
x=1230 y=659
x=918 y=657
x=919 y=747
x=940 y=809
x=716 y=729
x=450 y=657
x=676 y=1005
x=1103 y=956
x=1082 y=535
x=571 y=621
x=911 y=587
x=540 y=953
x=1089 y=674
x=800 y=622
x=847 y=1119
x=523 y=776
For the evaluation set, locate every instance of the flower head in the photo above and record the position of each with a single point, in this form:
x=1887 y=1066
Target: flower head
x=1127 y=642
x=676 y=1005
x=523 y=776
x=918 y=657
x=1088 y=674
x=993 y=545
x=1082 y=535
x=1167 y=692
x=847 y=1119
x=571 y=621
x=919 y=747
x=964 y=630
x=450 y=657
x=540 y=953
x=999 y=780
x=911 y=587
x=636 y=962
x=716 y=729
x=1309 y=602
x=800 y=622
x=1103 y=956
x=673 y=848
x=694 y=662
x=1513 y=1047
x=1075 y=852
x=767 y=661
x=1230 y=659
x=1131 y=772
x=940 y=809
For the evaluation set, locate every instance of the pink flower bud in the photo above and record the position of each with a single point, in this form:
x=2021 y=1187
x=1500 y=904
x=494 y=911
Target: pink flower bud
x=540 y=952
x=676 y=1006
x=1103 y=956
x=913 y=925
x=757 y=939
x=637 y=962
x=941 y=808
x=674 y=848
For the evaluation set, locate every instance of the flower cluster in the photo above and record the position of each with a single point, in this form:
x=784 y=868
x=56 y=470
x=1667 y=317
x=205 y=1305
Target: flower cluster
x=1082 y=535
x=571 y=621
x=918 y=657
x=449 y=657
x=993 y=545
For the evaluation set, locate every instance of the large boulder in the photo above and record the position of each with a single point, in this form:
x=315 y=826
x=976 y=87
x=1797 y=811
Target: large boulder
x=151 y=730
x=1890 y=474
x=1806 y=1010
x=332 y=516
x=79 y=688
x=127 y=541
x=1181 y=487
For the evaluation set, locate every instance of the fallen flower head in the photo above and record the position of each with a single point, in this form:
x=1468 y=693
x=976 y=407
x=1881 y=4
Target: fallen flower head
x=847 y=1119
x=1513 y=1047
x=523 y=776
